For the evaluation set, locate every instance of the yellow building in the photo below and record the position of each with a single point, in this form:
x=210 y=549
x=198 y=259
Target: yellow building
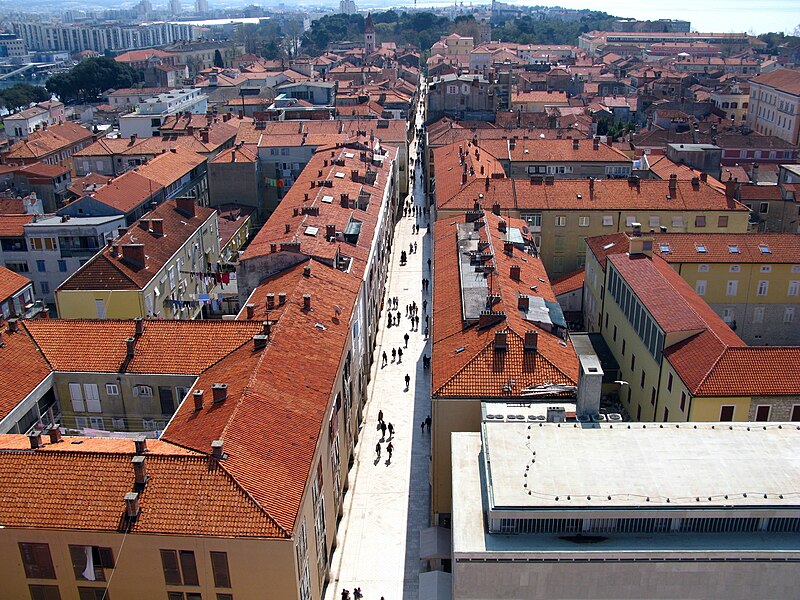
x=160 y=267
x=732 y=100
x=678 y=360
x=562 y=213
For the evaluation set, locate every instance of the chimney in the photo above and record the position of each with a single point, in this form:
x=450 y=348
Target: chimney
x=704 y=177
x=754 y=173
x=139 y=472
x=306 y=301
x=132 y=506
x=577 y=144
x=523 y=302
x=508 y=247
x=730 y=193
x=157 y=226
x=531 y=342
x=13 y=325
x=307 y=271
x=281 y=298
x=250 y=311
x=134 y=254
x=54 y=431
x=640 y=245
x=259 y=342
x=515 y=273
x=198 y=400
x=138 y=323
x=500 y=340
x=556 y=414
x=140 y=442
x=130 y=347
x=501 y=225
x=330 y=232
x=273 y=248
x=496 y=209
x=35 y=438
x=287 y=227
x=270 y=301
x=590 y=383
x=185 y=205
x=219 y=391
x=673 y=184
x=266 y=328
x=345 y=200
x=595 y=144
x=204 y=138
x=216 y=449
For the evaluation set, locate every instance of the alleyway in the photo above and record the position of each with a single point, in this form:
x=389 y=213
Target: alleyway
x=388 y=501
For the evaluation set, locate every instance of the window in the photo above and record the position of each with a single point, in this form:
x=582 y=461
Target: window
x=629 y=221
x=44 y=287
x=655 y=221
x=633 y=361
x=641 y=380
x=144 y=391
x=171 y=272
x=18 y=267
x=623 y=347
x=700 y=287
x=702 y=268
x=41 y=266
x=763 y=208
x=561 y=221
x=666 y=414
x=180 y=567
x=766 y=268
x=762 y=412
x=112 y=389
x=37 y=560
x=653 y=397
x=615 y=333
x=794 y=288
x=683 y=401
x=726 y=413
x=76 y=396
x=88 y=562
x=677 y=221
x=795 y=416
x=733 y=287
x=758 y=314
x=62 y=266
x=788 y=314
x=92 y=396
x=735 y=268
x=763 y=288
x=219 y=566
x=583 y=221
x=608 y=220
x=669 y=383
x=93 y=593
x=44 y=592
x=700 y=221
x=722 y=221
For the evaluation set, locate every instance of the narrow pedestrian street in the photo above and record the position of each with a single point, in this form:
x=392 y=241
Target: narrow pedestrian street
x=388 y=500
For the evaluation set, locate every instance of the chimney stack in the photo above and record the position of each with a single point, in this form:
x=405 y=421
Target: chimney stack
x=523 y=302
x=197 y=395
x=496 y=208
x=219 y=392
x=260 y=342
x=140 y=442
x=500 y=340
x=508 y=247
x=273 y=248
x=157 y=226
x=55 y=433
x=531 y=342
x=134 y=254
x=576 y=144
x=595 y=143
x=673 y=184
x=139 y=472
x=270 y=301
x=186 y=206
x=138 y=323
x=754 y=173
x=515 y=273
x=307 y=271
x=132 y=506
x=266 y=328
x=35 y=438
x=130 y=347
x=730 y=194
x=330 y=232
x=704 y=177
x=250 y=311
x=501 y=225
x=216 y=449
x=281 y=298
x=307 y=301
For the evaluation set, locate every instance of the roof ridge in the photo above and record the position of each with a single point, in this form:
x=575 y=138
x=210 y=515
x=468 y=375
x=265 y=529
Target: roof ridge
x=466 y=364
x=254 y=501
x=36 y=345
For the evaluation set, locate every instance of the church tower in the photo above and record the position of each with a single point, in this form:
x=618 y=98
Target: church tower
x=369 y=36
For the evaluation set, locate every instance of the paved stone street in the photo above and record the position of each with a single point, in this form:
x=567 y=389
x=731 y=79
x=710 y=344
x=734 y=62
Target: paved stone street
x=388 y=501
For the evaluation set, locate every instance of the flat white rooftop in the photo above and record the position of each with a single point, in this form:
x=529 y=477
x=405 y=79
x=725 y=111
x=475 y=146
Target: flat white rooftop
x=648 y=465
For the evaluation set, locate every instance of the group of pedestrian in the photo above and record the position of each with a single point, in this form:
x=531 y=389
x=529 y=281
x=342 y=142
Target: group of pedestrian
x=412 y=247
x=426 y=424
x=382 y=427
x=414 y=229
x=357 y=595
x=412 y=313
x=425 y=284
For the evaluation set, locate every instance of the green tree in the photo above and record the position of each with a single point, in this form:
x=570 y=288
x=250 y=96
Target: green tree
x=218 y=62
x=22 y=95
x=88 y=79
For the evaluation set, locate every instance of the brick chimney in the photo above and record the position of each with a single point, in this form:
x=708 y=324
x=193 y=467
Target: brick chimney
x=35 y=438
x=501 y=225
x=595 y=144
x=132 y=506
x=133 y=254
x=273 y=248
x=496 y=208
x=219 y=391
x=186 y=206
x=577 y=144
x=138 y=324
x=270 y=301
x=197 y=395
x=130 y=347
x=250 y=311
x=139 y=472
x=523 y=302
x=266 y=328
x=531 y=342
x=281 y=298
x=500 y=340
x=515 y=272
x=508 y=247
x=217 y=449
x=260 y=342
x=55 y=434
x=140 y=443
x=157 y=226
x=307 y=271
x=307 y=301
x=330 y=232
x=673 y=184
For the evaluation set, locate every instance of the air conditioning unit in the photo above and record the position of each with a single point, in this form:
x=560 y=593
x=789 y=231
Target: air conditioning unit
x=617 y=417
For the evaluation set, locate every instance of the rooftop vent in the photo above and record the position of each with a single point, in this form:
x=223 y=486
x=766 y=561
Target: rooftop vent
x=132 y=510
x=139 y=472
x=531 y=342
x=35 y=438
x=216 y=449
x=55 y=433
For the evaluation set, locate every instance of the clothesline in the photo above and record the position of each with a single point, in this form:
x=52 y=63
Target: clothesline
x=218 y=277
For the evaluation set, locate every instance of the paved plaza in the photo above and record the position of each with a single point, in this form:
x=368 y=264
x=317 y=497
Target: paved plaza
x=388 y=501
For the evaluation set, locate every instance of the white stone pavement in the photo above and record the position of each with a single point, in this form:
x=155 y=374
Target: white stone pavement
x=388 y=501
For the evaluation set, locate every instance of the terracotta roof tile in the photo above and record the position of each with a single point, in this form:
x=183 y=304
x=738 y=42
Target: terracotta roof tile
x=126 y=192
x=45 y=142
x=12 y=225
x=22 y=368
x=167 y=168
x=11 y=283
x=754 y=371
x=569 y=282
x=785 y=80
x=728 y=247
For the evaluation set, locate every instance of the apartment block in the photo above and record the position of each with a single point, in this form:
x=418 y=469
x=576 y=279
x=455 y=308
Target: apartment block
x=21 y=124
x=775 y=104
x=150 y=115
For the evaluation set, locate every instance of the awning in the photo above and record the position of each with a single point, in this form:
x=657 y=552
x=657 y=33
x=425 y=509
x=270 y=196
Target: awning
x=434 y=542
x=436 y=585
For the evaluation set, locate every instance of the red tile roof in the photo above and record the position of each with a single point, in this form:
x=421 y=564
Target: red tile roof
x=12 y=225
x=459 y=167
x=22 y=368
x=105 y=271
x=755 y=371
x=785 y=80
x=548 y=150
x=192 y=346
x=569 y=282
x=167 y=168
x=44 y=142
x=728 y=247
x=464 y=362
x=126 y=192
x=11 y=283
x=141 y=56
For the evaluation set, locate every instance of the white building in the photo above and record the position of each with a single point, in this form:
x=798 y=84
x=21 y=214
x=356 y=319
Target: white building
x=21 y=124
x=624 y=510
x=151 y=113
x=347 y=7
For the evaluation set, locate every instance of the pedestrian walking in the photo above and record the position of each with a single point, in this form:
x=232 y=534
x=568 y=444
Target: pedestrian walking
x=429 y=264
x=405 y=338
x=422 y=426
x=408 y=381
x=427 y=320
x=410 y=248
x=345 y=595
x=391 y=430
x=357 y=594
x=385 y=359
x=426 y=333
x=398 y=317
x=378 y=449
x=389 y=320
x=428 y=423
x=383 y=430
x=415 y=247
x=380 y=416
x=399 y=355
x=390 y=449
x=394 y=354
x=424 y=305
